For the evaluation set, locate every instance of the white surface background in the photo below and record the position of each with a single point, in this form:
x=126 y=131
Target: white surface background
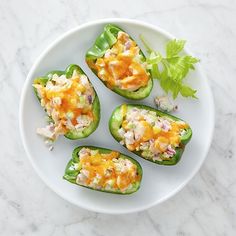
x=207 y=206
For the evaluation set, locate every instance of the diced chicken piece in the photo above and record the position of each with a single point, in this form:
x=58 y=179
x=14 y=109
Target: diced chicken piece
x=139 y=131
x=82 y=121
x=85 y=173
x=165 y=125
x=122 y=36
x=121 y=132
x=84 y=80
x=49 y=85
x=128 y=45
x=129 y=137
x=59 y=79
x=108 y=53
x=69 y=124
x=165 y=104
x=83 y=153
x=81 y=178
x=151 y=119
x=47 y=132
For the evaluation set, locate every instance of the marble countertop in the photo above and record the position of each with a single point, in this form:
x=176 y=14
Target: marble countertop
x=206 y=206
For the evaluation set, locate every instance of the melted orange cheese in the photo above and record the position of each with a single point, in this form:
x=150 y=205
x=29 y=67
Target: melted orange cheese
x=161 y=138
x=120 y=68
x=100 y=163
x=69 y=100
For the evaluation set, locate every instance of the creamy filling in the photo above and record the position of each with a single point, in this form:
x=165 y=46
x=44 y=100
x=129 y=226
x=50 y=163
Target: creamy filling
x=106 y=171
x=68 y=103
x=154 y=136
x=122 y=65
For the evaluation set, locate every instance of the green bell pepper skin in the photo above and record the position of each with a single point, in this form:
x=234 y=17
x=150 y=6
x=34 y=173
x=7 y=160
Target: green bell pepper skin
x=116 y=121
x=95 y=107
x=73 y=169
x=104 y=42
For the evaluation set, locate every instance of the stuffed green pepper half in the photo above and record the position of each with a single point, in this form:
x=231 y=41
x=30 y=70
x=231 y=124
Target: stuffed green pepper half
x=70 y=101
x=103 y=170
x=120 y=64
x=151 y=134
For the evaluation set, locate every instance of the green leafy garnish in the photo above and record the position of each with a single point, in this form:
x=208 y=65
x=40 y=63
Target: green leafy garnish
x=172 y=69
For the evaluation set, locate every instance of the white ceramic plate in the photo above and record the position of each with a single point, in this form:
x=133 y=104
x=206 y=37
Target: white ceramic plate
x=159 y=182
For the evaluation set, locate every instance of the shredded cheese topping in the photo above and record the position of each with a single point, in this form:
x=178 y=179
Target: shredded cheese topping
x=156 y=137
x=106 y=171
x=121 y=65
x=68 y=101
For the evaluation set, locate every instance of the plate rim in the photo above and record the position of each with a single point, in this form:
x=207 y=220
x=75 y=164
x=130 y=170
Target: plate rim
x=22 y=102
